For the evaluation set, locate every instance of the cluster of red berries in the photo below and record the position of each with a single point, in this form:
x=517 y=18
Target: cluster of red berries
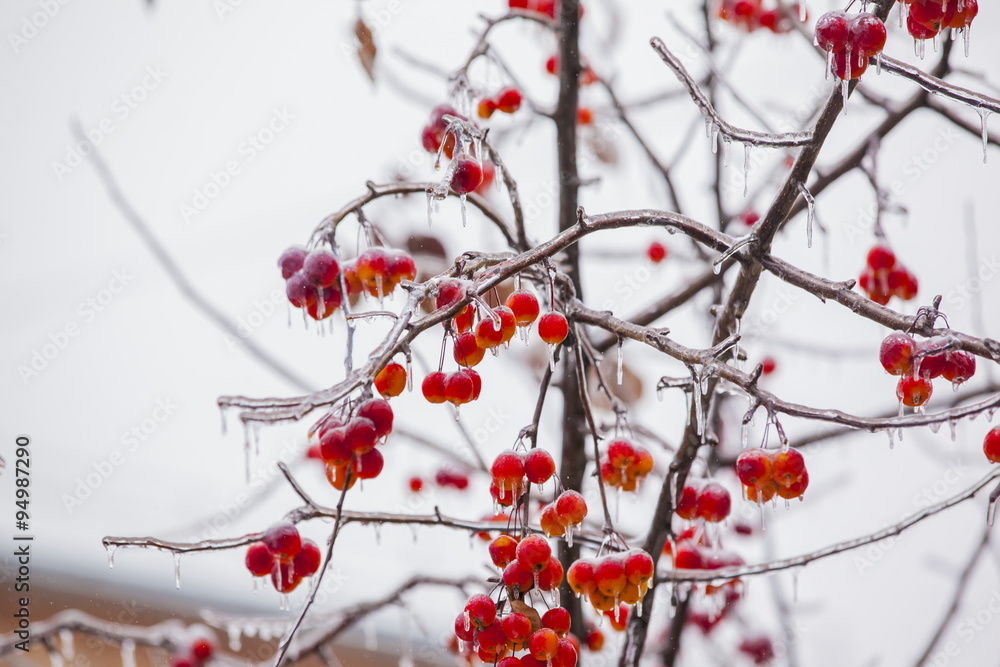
x=283 y=554
x=758 y=648
x=625 y=465
x=750 y=15
x=991 y=445
x=692 y=551
x=466 y=173
x=546 y=638
x=709 y=501
x=199 y=649
x=885 y=277
x=507 y=100
x=926 y=18
x=458 y=388
x=919 y=363
x=436 y=129
x=376 y=272
x=561 y=516
x=587 y=75
x=765 y=473
x=312 y=280
x=656 y=252
x=850 y=40
x=349 y=446
x=526 y=564
x=511 y=471
x=612 y=579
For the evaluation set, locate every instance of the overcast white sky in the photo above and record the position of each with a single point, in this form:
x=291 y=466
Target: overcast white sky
x=270 y=91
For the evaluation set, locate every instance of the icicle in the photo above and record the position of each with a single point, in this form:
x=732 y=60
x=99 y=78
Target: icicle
x=725 y=150
x=747 y=147
x=621 y=362
x=966 y=32
x=284 y=604
x=891 y=432
x=56 y=659
x=934 y=426
x=467 y=620
x=745 y=434
x=878 y=63
x=714 y=138
x=844 y=83
x=461 y=198
x=618 y=610
x=795 y=584
x=802 y=11
x=569 y=536
x=409 y=374
x=829 y=64
x=111 y=556
x=810 y=213
x=638 y=606
x=430 y=200
x=177 y=569
x=66 y=643
x=222 y=413
x=235 y=635
x=378 y=529
x=984 y=115
x=699 y=415
x=256 y=585
x=738 y=322
x=552 y=357
x=371 y=635
x=952 y=426
x=128 y=653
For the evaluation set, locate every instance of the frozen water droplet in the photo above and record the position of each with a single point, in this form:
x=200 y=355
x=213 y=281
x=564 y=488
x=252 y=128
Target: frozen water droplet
x=467 y=620
x=256 y=585
x=810 y=213
x=66 y=643
x=934 y=426
x=177 y=569
x=462 y=200
x=552 y=357
x=111 y=556
x=128 y=653
x=569 y=536
x=714 y=138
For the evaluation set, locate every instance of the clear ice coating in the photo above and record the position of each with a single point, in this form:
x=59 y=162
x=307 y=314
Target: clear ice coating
x=747 y=147
x=984 y=115
x=66 y=643
x=621 y=362
x=810 y=213
x=177 y=569
x=128 y=653
x=111 y=555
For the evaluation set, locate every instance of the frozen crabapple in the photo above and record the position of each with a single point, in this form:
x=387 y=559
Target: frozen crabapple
x=458 y=388
x=594 y=639
x=379 y=413
x=758 y=648
x=553 y=328
x=557 y=619
x=433 y=387
x=571 y=508
x=282 y=541
x=284 y=578
x=687 y=505
x=787 y=467
x=434 y=132
x=320 y=268
x=307 y=561
x=524 y=305
x=481 y=609
x=259 y=559
x=534 y=552
x=713 y=502
x=550 y=523
x=368 y=465
x=508 y=468
x=991 y=445
x=544 y=644
x=896 y=353
x=580 y=576
x=467 y=175
x=467 y=351
x=831 y=31
x=509 y=100
x=503 y=550
x=391 y=380
x=539 y=466
x=866 y=34
x=768 y=365
x=753 y=467
x=489 y=334
x=517 y=627
x=291 y=261
x=914 y=392
x=959 y=366
x=416 y=484
x=550 y=577
x=518 y=577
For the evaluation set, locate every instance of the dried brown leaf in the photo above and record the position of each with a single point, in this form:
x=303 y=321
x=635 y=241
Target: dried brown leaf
x=366 y=48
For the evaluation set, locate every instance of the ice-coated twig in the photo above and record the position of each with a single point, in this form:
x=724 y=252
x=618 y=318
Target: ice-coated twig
x=786 y=140
x=933 y=84
x=581 y=382
x=727 y=573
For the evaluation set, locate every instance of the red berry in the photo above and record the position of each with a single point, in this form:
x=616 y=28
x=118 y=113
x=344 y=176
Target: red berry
x=518 y=577
x=866 y=34
x=202 y=648
x=327 y=302
x=544 y=644
x=367 y=465
x=881 y=257
x=918 y=30
x=486 y=108
x=758 y=648
x=283 y=541
x=402 y=267
x=929 y=14
x=360 y=435
x=584 y=116
x=380 y=414
x=913 y=391
x=509 y=100
x=508 y=467
x=550 y=523
x=858 y=65
x=991 y=443
x=524 y=305
x=517 y=627
x=753 y=467
x=571 y=508
x=259 y=560
x=416 y=484
x=463 y=321
x=896 y=353
x=482 y=610
x=320 y=268
x=333 y=448
x=795 y=489
x=338 y=475
x=489 y=334
x=687 y=506
x=391 y=380
x=551 y=575
x=553 y=328
x=621 y=453
x=639 y=567
x=557 y=619
x=609 y=576
x=284 y=578
x=932 y=365
x=291 y=261
x=788 y=467
x=580 y=576
x=533 y=552
x=458 y=388
x=456 y=479
x=960 y=366
x=467 y=175
x=656 y=252
x=503 y=550
x=568 y=651
x=508 y=323
x=372 y=265
x=539 y=466
x=467 y=351
x=552 y=64
x=713 y=502
x=449 y=293
x=433 y=387
x=299 y=292
x=461 y=631
x=688 y=556
x=832 y=31
x=768 y=365
x=595 y=640
x=307 y=561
